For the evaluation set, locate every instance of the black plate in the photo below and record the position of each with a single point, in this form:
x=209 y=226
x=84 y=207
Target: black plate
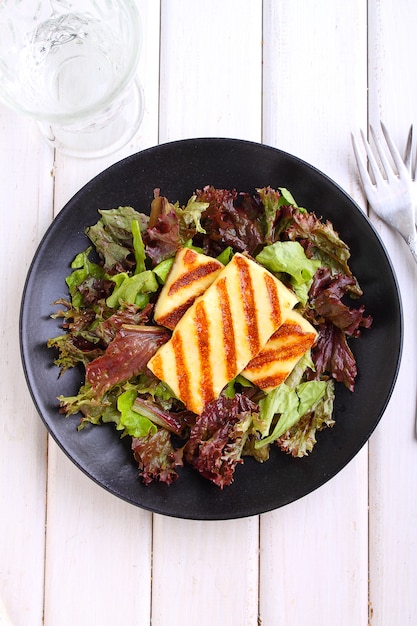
x=178 y=168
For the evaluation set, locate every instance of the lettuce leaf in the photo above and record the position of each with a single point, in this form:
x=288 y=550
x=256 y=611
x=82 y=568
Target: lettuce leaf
x=70 y=354
x=281 y=400
x=156 y=457
x=164 y=239
x=309 y=393
x=335 y=322
x=132 y=422
x=289 y=257
x=125 y=357
x=218 y=437
x=326 y=295
x=163 y=268
x=226 y=256
x=113 y=239
x=272 y=201
x=301 y=438
x=129 y=288
x=191 y=213
x=173 y=421
x=138 y=247
x=93 y=410
x=83 y=269
x=321 y=242
x=303 y=365
x=290 y=405
x=230 y=220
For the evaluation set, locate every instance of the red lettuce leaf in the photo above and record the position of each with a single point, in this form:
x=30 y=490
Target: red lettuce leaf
x=156 y=457
x=130 y=314
x=95 y=289
x=231 y=220
x=218 y=437
x=86 y=339
x=335 y=322
x=332 y=355
x=126 y=356
x=325 y=297
x=163 y=240
x=174 y=421
x=319 y=239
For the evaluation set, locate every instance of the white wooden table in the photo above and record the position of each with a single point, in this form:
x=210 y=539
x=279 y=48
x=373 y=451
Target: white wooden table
x=299 y=76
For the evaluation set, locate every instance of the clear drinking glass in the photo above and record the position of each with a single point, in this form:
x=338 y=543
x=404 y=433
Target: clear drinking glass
x=71 y=65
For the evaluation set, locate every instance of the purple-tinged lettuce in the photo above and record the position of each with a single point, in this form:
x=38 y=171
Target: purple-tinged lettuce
x=156 y=457
x=218 y=437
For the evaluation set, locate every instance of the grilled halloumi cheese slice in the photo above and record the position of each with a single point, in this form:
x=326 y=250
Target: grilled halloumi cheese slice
x=281 y=353
x=222 y=331
x=189 y=277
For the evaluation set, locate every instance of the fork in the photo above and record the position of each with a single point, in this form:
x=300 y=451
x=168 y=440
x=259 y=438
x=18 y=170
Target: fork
x=392 y=194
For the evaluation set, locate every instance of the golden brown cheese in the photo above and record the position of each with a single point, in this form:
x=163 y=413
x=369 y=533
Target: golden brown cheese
x=188 y=278
x=222 y=331
x=281 y=353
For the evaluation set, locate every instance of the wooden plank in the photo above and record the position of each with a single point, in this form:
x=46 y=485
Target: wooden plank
x=393 y=500
x=315 y=82
x=314 y=555
x=211 y=69
x=207 y=572
x=99 y=547
x=27 y=191
x=314 y=552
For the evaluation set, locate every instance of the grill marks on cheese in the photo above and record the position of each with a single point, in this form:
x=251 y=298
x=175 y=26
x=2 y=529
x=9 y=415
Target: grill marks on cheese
x=189 y=277
x=273 y=296
x=249 y=306
x=222 y=331
x=204 y=348
x=283 y=350
x=227 y=329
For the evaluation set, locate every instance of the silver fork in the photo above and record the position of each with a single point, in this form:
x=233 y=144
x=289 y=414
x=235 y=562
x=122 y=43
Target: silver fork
x=392 y=194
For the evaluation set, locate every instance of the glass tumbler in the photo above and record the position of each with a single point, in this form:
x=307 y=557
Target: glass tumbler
x=71 y=66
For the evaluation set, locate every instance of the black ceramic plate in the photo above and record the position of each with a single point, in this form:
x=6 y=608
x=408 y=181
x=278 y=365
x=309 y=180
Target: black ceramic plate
x=178 y=168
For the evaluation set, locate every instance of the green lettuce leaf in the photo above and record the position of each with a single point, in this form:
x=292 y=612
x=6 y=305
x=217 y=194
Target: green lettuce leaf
x=83 y=269
x=188 y=243
x=112 y=235
x=301 y=438
x=289 y=257
x=138 y=247
x=289 y=405
x=226 y=256
x=309 y=393
x=295 y=377
x=230 y=390
x=281 y=400
x=132 y=289
x=191 y=214
x=130 y=421
x=287 y=198
x=93 y=410
x=157 y=389
x=162 y=269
